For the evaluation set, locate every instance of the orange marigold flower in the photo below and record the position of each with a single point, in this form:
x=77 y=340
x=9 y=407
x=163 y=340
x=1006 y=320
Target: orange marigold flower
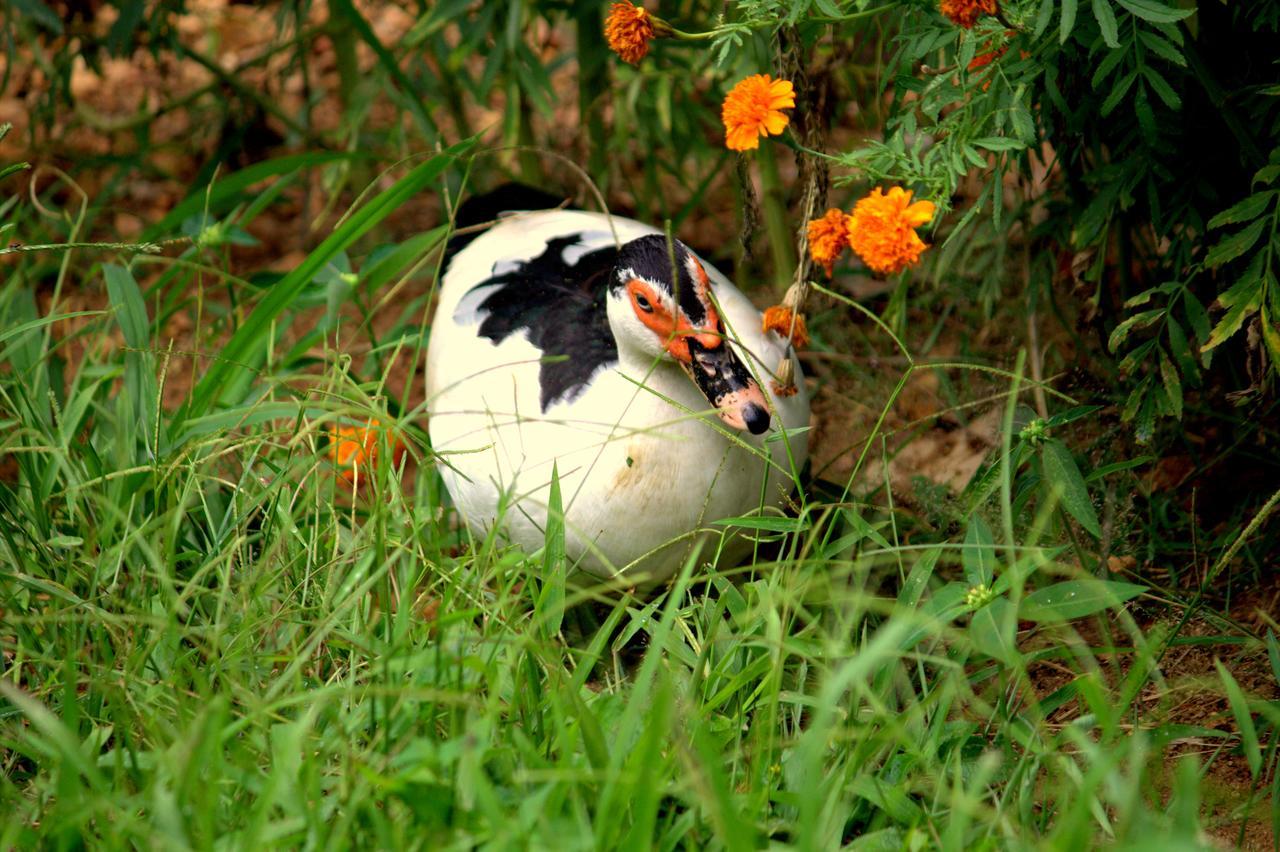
x=965 y=13
x=778 y=319
x=990 y=52
x=629 y=29
x=828 y=237
x=984 y=59
x=354 y=449
x=882 y=229
x=753 y=108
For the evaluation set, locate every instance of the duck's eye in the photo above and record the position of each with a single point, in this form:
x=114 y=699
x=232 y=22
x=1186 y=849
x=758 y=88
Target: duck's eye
x=643 y=304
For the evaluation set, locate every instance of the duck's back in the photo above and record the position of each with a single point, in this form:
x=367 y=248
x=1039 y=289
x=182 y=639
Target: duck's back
x=519 y=238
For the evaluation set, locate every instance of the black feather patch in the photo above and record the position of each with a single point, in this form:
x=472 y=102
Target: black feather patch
x=561 y=306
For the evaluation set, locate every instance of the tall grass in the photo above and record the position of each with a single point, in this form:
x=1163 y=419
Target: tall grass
x=209 y=642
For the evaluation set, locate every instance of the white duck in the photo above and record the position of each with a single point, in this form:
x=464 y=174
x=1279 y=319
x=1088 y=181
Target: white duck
x=556 y=347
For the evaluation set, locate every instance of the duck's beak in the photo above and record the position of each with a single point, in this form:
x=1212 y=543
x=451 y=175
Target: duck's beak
x=724 y=380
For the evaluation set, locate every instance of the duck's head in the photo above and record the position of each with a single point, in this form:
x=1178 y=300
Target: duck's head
x=662 y=314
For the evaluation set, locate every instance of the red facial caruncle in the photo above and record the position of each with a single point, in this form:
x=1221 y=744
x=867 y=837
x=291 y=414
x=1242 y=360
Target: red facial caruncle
x=652 y=310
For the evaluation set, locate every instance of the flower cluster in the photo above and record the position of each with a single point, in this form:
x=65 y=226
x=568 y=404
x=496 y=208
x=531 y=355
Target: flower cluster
x=988 y=56
x=628 y=30
x=785 y=322
x=828 y=237
x=965 y=13
x=353 y=450
x=753 y=108
x=881 y=230
x=979 y=596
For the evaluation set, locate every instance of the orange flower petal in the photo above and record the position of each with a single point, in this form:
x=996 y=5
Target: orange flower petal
x=780 y=320
x=628 y=30
x=782 y=95
x=753 y=109
x=354 y=449
x=882 y=230
x=919 y=213
x=742 y=139
x=775 y=123
x=828 y=237
x=965 y=13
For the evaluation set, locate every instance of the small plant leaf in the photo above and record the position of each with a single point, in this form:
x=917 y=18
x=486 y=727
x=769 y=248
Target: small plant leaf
x=1244 y=719
x=1162 y=88
x=1106 y=19
x=1063 y=476
x=1172 y=384
x=914 y=586
x=1246 y=210
x=992 y=630
x=1118 y=92
x=999 y=143
x=1243 y=300
x=131 y=309
x=551 y=597
x=1071 y=415
x=1273 y=654
x=1180 y=349
x=1146 y=115
x=13 y=168
x=1043 y=17
x=1133 y=323
x=1108 y=64
x=1068 y=20
x=1229 y=248
x=1115 y=467
x=1270 y=337
x=1158 y=13
x=1076 y=599
x=979 y=555
x=1162 y=47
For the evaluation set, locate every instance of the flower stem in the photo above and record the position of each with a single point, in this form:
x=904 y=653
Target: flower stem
x=684 y=36
x=853 y=16
x=593 y=78
x=775 y=217
x=817 y=19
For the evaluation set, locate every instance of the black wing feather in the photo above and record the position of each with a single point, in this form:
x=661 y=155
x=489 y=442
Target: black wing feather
x=561 y=306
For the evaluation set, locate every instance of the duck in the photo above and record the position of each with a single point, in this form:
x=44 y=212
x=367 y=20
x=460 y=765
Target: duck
x=589 y=360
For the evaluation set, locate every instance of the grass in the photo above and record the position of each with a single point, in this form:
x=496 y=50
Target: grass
x=208 y=642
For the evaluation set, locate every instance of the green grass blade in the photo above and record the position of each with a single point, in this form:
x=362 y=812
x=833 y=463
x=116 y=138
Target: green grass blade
x=234 y=185
x=229 y=376
x=1244 y=718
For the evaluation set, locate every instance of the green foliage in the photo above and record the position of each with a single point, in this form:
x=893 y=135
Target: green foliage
x=1256 y=293
x=206 y=639
x=1152 y=118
